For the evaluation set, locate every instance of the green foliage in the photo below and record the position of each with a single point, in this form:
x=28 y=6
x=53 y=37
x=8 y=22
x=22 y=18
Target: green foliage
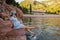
x=50 y=6
x=11 y=2
x=25 y=10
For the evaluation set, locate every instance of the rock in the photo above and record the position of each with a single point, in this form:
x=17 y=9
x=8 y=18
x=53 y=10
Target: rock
x=16 y=35
x=6 y=30
x=5 y=26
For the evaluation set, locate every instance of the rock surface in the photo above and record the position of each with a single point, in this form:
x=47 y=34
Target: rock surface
x=6 y=30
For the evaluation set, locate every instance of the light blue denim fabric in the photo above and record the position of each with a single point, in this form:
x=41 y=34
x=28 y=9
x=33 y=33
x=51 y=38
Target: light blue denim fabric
x=16 y=23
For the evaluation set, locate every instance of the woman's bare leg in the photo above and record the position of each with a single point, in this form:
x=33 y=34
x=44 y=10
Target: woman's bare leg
x=26 y=27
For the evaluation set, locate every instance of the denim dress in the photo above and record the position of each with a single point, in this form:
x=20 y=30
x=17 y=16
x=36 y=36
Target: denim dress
x=16 y=23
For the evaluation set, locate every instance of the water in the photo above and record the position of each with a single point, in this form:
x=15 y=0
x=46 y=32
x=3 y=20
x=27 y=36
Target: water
x=45 y=33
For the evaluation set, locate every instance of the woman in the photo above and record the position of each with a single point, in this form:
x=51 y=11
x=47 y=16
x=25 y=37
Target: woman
x=17 y=24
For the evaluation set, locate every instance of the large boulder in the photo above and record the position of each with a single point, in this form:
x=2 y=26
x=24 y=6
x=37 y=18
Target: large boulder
x=6 y=28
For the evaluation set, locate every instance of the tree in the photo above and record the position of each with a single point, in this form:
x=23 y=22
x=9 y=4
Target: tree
x=13 y=2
